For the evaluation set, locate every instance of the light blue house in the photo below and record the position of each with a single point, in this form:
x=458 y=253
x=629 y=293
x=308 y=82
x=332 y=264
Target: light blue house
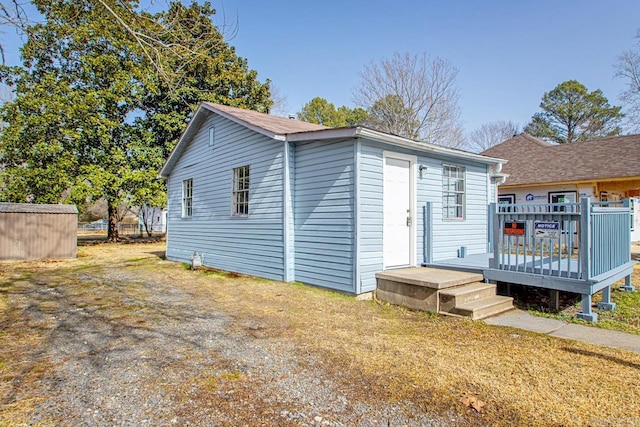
x=294 y=201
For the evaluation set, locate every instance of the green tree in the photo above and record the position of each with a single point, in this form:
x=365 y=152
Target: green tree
x=203 y=68
x=323 y=112
x=389 y=114
x=97 y=109
x=97 y=76
x=571 y=113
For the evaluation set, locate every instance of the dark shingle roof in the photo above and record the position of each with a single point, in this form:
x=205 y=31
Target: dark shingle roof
x=533 y=161
x=275 y=124
x=37 y=208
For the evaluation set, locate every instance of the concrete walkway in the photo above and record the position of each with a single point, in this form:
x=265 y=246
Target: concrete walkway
x=557 y=328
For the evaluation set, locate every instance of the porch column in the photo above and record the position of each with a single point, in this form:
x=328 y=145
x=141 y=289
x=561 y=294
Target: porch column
x=586 y=313
x=606 y=303
x=627 y=285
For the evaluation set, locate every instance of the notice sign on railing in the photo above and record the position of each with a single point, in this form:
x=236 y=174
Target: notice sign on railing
x=546 y=229
x=514 y=228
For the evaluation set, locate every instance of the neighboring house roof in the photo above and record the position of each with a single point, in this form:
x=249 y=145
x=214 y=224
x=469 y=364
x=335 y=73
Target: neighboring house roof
x=37 y=208
x=283 y=129
x=532 y=161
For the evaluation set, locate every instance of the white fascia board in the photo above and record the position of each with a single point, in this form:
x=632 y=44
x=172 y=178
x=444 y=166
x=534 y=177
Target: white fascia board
x=426 y=147
x=192 y=127
x=355 y=132
x=335 y=133
x=245 y=124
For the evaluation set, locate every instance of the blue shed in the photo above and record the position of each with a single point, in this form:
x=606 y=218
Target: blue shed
x=293 y=201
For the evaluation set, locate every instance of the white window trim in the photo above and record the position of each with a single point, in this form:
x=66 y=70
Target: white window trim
x=234 y=191
x=185 y=198
x=212 y=135
x=464 y=193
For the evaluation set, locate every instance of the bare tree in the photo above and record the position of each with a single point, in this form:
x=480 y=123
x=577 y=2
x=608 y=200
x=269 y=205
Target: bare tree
x=149 y=217
x=13 y=13
x=149 y=34
x=413 y=96
x=490 y=134
x=628 y=68
x=280 y=105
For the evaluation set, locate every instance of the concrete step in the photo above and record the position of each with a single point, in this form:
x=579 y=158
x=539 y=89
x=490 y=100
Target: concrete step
x=454 y=297
x=483 y=308
x=434 y=278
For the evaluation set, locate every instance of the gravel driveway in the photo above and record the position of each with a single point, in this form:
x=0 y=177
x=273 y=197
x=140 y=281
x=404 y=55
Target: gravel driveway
x=120 y=345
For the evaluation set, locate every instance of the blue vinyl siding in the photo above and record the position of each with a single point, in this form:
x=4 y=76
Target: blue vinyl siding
x=448 y=235
x=371 y=215
x=324 y=214
x=251 y=245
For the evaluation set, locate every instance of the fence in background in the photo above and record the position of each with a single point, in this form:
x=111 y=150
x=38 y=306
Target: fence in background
x=102 y=228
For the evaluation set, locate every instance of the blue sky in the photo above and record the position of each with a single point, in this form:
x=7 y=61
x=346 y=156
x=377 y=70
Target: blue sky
x=508 y=52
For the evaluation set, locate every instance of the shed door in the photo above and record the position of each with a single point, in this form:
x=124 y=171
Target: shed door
x=398 y=213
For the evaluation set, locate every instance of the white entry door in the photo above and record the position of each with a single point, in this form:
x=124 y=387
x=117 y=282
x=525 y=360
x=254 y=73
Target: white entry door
x=398 y=212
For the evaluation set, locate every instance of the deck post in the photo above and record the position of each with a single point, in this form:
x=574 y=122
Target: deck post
x=495 y=261
x=627 y=285
x=427 y=233
x=555 y=299
x=490 y=215
x=606 y=303
x=584 y=244
x=586 y=313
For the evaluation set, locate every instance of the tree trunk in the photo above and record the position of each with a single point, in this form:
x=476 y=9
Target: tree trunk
x=112 y=234
x=147 y=215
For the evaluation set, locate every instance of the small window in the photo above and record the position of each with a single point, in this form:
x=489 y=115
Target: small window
x=212 y=135
x=187 y=198
x=506 y=199
x=453 y=192
x=240 y=191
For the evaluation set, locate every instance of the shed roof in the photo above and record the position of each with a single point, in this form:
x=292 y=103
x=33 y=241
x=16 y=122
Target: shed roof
x=282 y=129
x=37 y=208
x=532 y=161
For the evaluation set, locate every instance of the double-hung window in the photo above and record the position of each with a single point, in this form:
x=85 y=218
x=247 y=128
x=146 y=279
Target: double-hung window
x=187 y=198
x=453 y=192
x=240 y=205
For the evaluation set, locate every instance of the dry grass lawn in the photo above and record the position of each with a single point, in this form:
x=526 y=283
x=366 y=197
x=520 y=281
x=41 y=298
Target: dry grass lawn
x=377 y=351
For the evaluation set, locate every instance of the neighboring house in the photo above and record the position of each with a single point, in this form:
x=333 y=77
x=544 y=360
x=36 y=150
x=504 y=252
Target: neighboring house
x=539 y=172
x=38 y=231
x=289 y=200
x=153 y=219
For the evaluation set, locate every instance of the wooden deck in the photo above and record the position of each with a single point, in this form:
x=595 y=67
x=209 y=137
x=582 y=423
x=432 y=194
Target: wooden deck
x=576 y=247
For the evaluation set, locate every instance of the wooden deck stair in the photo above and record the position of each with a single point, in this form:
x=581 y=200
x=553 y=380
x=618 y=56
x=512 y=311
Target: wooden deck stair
x=447 y=292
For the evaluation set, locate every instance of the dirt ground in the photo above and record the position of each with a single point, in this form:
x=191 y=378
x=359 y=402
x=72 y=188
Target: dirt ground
x=121 y=336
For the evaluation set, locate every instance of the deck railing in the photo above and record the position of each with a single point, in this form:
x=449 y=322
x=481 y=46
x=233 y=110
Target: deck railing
x=610 y=238
x=570 y=240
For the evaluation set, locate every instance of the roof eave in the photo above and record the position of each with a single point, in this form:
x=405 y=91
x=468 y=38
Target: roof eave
x=177 y=150
x=359 y=131
x=194 y=125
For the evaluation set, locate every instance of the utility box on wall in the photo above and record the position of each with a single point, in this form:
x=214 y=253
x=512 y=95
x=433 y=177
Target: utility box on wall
x=31 y=231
